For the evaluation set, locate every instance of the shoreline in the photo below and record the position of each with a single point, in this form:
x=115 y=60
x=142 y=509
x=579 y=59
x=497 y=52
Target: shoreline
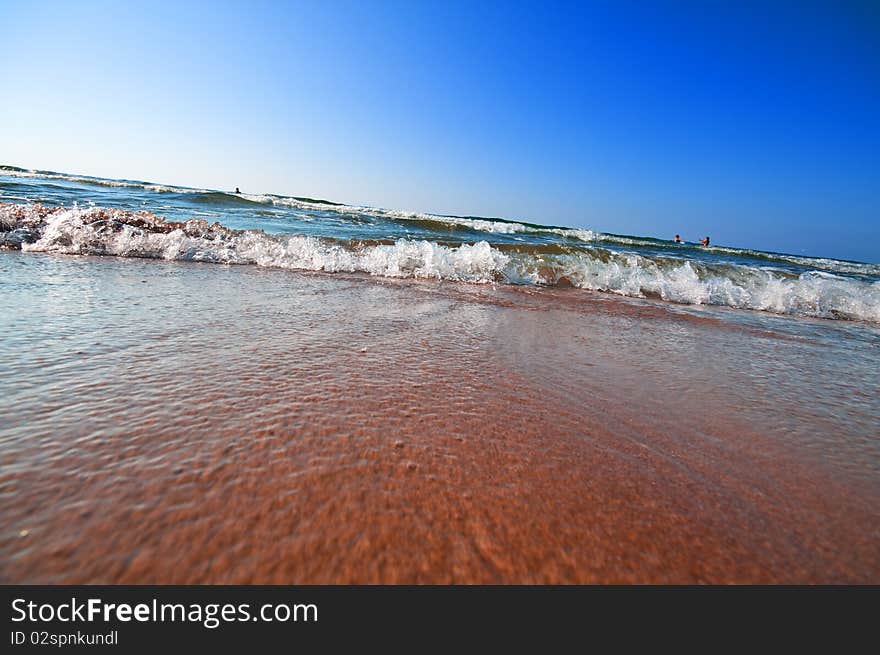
x=397 y=246
x=186 y=423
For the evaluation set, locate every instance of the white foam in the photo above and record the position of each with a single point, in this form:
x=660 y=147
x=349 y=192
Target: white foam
x=97 y=231
x=479 y=224
x=836 y=265
x=158 y=188
x=72 y=232
x=813 y=293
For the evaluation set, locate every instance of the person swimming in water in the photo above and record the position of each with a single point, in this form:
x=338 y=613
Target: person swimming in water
x=678 y=239
x=237 y=190
x=705 y=241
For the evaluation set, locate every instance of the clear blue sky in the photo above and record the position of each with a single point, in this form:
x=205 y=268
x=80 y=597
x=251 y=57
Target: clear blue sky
x=758 y=124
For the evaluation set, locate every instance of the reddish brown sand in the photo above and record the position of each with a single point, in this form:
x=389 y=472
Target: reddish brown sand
x=328 y=429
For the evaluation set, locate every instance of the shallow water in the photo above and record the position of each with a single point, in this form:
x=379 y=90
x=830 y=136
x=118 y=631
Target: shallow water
x=169 y=421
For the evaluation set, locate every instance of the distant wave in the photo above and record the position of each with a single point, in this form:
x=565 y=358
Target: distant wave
x=116 y=232
x=439 y=224
x=504 y=226
x=15 y=171
x=210 y=194
x=223 y=198
x=822 y=263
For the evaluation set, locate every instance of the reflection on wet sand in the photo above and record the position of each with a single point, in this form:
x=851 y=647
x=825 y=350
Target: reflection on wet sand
x=184 y=423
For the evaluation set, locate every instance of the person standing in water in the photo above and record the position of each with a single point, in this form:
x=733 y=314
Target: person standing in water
x=237 y=190
x=705 y=241
x=678 y=239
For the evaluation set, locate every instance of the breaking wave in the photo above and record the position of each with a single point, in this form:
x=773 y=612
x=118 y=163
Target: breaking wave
x=116 y=232
x=15 y=171
x=440 y=224
x=222 y=198
x=98 y=231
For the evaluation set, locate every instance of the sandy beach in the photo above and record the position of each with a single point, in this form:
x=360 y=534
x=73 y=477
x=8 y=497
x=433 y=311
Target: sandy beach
x=170 y=422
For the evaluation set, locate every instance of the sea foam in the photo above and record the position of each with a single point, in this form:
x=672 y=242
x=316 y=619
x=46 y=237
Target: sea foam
x=116 y=232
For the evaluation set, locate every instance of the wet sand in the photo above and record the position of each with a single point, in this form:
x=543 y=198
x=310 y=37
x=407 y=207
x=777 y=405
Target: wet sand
x=187 y=423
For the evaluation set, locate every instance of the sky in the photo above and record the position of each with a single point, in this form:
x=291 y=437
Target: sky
x=757 y=123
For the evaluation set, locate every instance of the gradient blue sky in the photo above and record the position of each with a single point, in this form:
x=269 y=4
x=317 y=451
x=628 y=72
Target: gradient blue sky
x=757 y=124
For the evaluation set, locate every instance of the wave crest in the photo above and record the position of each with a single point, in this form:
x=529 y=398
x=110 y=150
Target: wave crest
x=117 y=232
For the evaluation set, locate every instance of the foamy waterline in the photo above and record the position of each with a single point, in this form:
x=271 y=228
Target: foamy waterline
x=98 y=231
x=115 y=232
x=309 y=209
x=495 y=226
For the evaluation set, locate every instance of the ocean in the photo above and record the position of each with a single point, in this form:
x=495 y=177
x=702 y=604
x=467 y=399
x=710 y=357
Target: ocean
x=375 y=396
x=87 y=215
